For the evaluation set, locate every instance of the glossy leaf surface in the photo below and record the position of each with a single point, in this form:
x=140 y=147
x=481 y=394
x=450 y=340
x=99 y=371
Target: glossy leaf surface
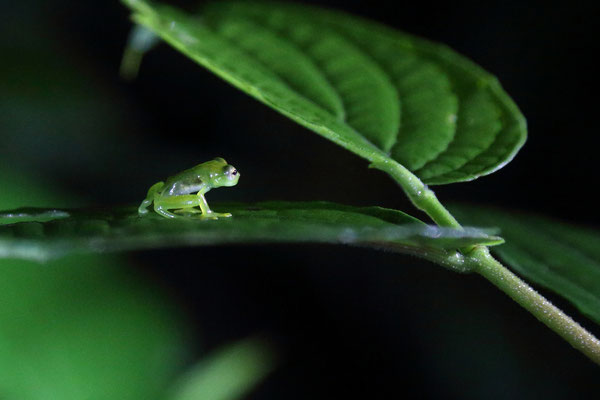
x=555 y=255
x=41 y=234
x=380 y=93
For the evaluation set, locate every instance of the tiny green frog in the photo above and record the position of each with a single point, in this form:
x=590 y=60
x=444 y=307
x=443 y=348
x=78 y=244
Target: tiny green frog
x=176 y=192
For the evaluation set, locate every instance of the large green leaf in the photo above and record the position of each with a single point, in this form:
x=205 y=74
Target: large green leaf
x=41 y=234
x=382 y=94
x=558 y=256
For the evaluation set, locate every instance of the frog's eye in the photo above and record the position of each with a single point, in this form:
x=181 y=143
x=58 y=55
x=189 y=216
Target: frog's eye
x=230 y=171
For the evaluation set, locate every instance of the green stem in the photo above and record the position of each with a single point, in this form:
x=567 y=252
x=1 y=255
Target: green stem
x=419 y=194
x=485 y=265
x=478 y=259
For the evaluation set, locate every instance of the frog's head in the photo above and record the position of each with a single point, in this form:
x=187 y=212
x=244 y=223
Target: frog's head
x=230 y=176
x=225 y=174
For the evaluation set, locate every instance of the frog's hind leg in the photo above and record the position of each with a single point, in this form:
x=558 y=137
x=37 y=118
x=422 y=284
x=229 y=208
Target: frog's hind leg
x=163 y=211
x=143 y=208
x=183 y=204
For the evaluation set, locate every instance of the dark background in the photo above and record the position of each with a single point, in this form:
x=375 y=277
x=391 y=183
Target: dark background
x=349 y=322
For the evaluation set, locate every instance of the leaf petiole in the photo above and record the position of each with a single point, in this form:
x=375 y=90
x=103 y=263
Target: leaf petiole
x=419 y=194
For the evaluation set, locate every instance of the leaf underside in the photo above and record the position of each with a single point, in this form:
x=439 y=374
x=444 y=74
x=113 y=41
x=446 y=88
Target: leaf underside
x=555 y=255
x=42 y=234
x=377 y=92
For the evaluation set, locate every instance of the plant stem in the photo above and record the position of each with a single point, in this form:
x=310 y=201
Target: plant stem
x=478 y=259
x=419 y=194
x=485 y=265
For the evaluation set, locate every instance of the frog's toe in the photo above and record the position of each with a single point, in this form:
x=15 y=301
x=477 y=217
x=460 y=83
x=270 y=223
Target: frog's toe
x=214 y=215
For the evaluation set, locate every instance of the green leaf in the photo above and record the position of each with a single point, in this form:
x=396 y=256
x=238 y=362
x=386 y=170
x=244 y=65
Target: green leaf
x=555 y=255
x=42 y=234
x=83 y=327
x=382 y=94
x=230 y=373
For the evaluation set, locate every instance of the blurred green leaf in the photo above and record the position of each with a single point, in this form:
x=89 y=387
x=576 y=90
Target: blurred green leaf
x=382 y=94
x=555 y=255
x=44 y=237
x=83 y=327
x=227 y=374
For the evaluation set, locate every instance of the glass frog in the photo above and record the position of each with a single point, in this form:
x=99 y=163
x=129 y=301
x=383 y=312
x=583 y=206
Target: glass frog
x=176 y=193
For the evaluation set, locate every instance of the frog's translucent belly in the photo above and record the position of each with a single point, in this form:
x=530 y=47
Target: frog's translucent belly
x=182 y=188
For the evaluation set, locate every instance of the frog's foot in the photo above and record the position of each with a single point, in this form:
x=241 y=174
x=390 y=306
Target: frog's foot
x=214 y=215
x=188 y=210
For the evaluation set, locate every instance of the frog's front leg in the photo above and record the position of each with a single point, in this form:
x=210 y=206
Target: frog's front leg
x=206 y=211
x=183 y=203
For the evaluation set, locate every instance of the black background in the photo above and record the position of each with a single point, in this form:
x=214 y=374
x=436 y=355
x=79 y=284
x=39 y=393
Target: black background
x=348 y=322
